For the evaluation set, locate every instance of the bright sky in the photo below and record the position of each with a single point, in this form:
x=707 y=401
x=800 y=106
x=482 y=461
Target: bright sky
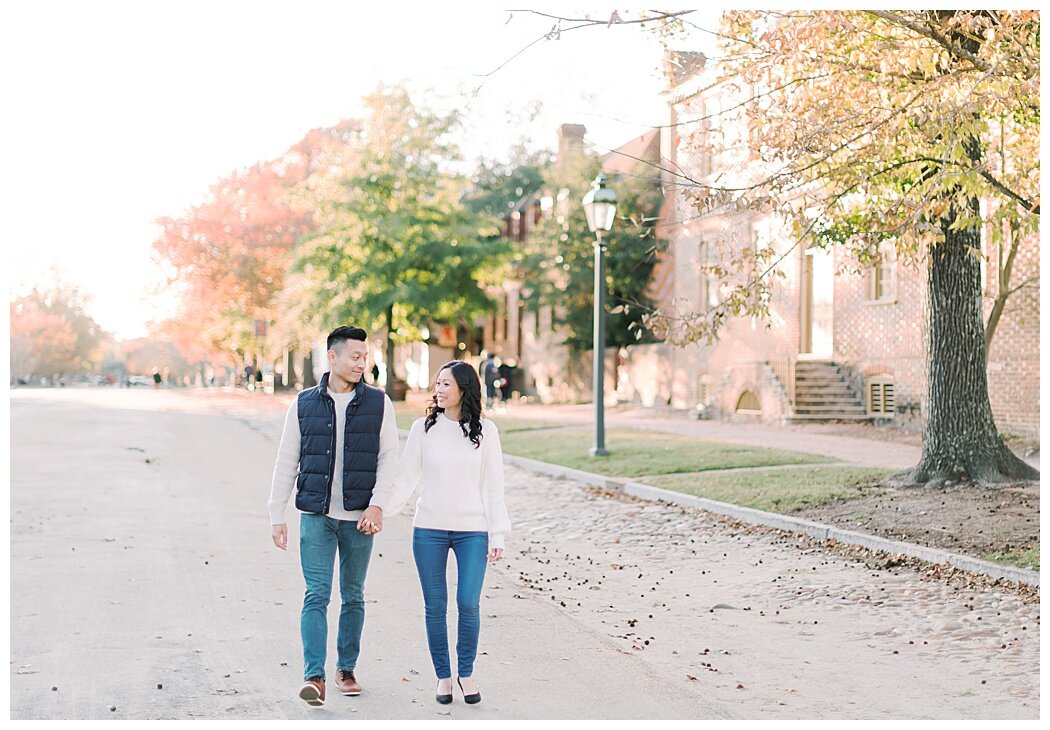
x=120 y=112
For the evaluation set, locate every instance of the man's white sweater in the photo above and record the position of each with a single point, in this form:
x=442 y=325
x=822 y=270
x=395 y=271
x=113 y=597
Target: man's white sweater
x=462 y=486
x=286 y=470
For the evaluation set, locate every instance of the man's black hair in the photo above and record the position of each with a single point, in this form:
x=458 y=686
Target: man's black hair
x=347 y=332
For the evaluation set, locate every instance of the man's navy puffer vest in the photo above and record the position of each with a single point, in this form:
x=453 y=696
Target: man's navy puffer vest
x=364 y=419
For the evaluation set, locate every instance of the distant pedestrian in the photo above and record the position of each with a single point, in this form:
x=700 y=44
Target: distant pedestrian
x=490 y=376
x=506 y=372
x=339 y=444
x=455 y=456
x=156 y=378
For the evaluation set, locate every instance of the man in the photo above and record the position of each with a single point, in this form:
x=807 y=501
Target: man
x=490 y=377
x=339 y=443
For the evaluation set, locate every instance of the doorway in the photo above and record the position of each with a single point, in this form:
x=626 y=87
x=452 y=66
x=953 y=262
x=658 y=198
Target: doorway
x=817 y=310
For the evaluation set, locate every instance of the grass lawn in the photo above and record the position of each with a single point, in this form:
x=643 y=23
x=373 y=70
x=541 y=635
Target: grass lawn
x=775 y=491
x=637 y=453
x=1021 y=558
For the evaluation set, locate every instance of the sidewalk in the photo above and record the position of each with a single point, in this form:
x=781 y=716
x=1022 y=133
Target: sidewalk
x=882 y=448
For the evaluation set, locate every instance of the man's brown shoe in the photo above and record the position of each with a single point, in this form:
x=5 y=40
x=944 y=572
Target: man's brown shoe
x=348 y=684
x=312 y=691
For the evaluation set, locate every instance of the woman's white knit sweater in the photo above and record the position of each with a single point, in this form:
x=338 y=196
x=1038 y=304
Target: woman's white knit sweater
x=462 y=485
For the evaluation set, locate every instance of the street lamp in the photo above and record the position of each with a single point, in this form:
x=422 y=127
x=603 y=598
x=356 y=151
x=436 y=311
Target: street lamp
x=600 y=206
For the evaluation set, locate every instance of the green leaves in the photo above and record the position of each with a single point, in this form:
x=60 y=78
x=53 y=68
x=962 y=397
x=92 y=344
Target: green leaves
x=392 y=230
x=557 y=258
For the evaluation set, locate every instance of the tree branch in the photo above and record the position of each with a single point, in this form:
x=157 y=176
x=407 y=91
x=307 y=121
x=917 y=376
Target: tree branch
x=1026 y=204
x=612 y=20
x=941 y=40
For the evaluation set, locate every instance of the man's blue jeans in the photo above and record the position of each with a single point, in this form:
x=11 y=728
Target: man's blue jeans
x=430 y=549
x=319 y=537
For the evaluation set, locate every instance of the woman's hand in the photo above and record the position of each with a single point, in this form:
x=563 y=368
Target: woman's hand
x=371 y=521
x=495 y=554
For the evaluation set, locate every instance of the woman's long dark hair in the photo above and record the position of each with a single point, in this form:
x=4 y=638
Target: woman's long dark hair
x=470 y=405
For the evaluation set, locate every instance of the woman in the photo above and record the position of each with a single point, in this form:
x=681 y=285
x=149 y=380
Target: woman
x=456 y=455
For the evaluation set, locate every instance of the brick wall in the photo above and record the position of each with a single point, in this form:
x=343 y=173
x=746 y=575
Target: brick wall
x=1013 y=361
x=883 y=337
x=889 y=338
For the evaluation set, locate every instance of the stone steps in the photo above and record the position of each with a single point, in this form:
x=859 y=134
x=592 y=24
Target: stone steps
x=822 y=394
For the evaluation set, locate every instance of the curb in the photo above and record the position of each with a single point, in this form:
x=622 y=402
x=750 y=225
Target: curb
x=781 y=522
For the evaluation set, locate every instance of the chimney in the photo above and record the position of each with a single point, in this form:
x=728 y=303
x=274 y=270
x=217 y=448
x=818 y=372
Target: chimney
x=570 y=140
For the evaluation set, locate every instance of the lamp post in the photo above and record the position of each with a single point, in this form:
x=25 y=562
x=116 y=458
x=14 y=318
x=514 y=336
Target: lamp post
x=600 y=206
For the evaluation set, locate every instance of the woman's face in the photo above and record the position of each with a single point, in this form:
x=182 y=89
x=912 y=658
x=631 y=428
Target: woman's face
x=447 y=391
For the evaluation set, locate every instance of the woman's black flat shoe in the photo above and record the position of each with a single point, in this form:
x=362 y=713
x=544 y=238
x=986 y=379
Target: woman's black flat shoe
x=444 y=699
x=469 y=699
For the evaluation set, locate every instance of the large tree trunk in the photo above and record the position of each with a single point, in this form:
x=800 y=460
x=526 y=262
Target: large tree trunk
x=960 y=441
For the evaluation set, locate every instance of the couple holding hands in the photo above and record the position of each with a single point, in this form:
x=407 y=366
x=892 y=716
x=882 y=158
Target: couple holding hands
x=338 y=453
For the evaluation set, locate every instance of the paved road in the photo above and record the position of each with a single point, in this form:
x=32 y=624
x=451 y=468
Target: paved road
x=143 y=579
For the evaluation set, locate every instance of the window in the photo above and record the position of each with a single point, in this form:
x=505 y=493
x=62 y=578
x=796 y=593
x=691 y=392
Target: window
x=883 y=279
x=708 y=283
x=880 y=397
x=703 y=390
x=748 y=403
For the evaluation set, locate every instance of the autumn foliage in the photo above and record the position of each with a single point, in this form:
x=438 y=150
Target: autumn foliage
x=229 y=256
x=51 y=334
x=862 y=130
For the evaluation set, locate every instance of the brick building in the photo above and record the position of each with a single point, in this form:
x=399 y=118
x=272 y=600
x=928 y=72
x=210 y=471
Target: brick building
x=842 y=341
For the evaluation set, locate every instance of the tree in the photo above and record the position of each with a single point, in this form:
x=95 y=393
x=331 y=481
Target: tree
x=229 y=256
x=497 y=185
x=394 y=246
x=558 y=256
x=875 y=127
x=51 y=334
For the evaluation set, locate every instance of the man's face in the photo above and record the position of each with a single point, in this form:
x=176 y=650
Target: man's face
x=348 y=360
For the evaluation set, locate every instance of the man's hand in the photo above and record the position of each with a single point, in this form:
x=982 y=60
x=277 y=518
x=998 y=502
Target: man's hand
x=495 y=554
x=280 y=536
x=371 y=521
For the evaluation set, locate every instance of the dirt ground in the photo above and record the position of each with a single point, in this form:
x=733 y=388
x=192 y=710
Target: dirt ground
x=971 y=520
x=966 y=519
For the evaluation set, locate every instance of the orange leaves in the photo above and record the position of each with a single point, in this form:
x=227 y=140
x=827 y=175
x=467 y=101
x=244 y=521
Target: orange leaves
x=230 y=253
x=50 y=334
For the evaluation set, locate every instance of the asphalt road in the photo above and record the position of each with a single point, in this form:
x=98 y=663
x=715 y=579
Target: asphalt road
x=144 y=585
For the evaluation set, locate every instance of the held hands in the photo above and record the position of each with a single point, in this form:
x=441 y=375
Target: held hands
x=371 y=521
x=495 y=554
x=280 y=536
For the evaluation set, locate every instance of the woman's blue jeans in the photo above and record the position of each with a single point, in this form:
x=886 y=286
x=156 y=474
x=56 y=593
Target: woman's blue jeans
x=430 y=549
x=320 y=537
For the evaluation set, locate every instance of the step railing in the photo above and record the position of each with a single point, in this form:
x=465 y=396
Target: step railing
x=784 y=369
